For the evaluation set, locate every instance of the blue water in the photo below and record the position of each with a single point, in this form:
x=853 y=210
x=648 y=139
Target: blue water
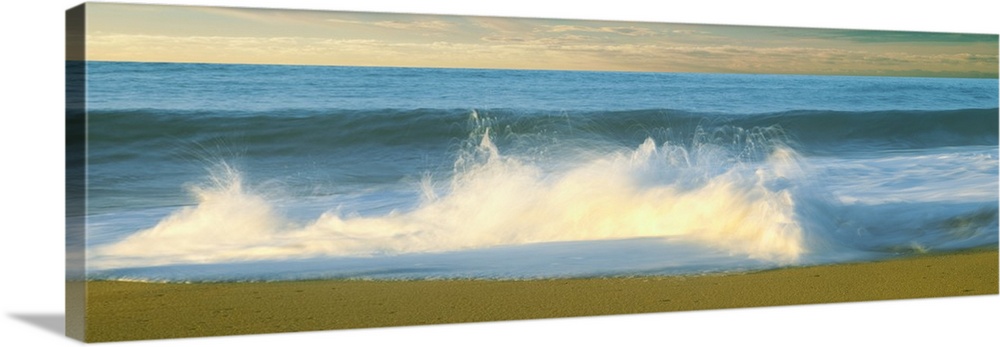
x=267 y=88
x=208 y=172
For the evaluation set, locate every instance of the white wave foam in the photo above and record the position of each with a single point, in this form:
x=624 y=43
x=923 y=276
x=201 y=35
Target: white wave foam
x=701 y=193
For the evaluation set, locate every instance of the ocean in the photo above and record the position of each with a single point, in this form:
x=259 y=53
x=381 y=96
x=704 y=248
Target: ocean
x=215 y=172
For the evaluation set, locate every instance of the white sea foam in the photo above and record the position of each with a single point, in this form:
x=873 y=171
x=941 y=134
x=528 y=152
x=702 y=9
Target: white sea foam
x=701 y=193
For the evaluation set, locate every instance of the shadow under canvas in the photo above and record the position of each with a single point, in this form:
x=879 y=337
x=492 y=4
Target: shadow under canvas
x=51 y=322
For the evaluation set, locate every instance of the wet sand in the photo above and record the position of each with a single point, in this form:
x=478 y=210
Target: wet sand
x=129 y=311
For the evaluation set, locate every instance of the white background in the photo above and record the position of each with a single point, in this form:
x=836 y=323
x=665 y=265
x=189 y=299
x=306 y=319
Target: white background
x=31 y=221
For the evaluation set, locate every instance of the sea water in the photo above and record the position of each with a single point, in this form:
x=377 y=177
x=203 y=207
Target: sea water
x=214 y=172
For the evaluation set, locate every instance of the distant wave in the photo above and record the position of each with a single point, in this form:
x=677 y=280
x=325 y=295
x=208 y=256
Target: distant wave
x=287 y=131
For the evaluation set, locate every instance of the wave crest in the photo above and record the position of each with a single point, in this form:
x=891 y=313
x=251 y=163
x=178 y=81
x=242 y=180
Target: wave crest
x=744 y=198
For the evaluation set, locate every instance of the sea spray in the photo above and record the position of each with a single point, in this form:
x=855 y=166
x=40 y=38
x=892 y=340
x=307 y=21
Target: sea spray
x=737 y=192
x=228 y=221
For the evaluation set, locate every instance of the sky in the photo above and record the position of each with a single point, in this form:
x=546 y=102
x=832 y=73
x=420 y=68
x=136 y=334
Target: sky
x=153 y=33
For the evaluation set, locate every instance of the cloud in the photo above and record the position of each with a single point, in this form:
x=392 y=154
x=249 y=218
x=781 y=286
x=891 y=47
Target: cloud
x=435 y=25
x=222 y=48
x=432 y=25
x=530 y=52
x=620 y=30
x=689 y=32
x=500 y=24
x=873 y=36
x=534 y=41
x=300 y=17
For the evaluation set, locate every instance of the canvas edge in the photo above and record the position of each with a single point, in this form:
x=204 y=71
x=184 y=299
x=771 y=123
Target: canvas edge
x=76 y=171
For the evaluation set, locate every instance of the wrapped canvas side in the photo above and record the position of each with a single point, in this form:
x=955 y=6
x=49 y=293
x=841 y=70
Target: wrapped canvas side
x=76 y=171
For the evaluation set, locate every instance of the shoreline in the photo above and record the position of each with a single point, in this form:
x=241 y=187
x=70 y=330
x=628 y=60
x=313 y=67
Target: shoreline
x=119 y=310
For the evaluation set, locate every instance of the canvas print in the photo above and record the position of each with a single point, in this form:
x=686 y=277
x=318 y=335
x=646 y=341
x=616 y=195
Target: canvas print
x=240 y=171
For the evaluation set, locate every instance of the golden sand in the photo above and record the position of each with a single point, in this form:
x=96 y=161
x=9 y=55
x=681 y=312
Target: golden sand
x=129 y=311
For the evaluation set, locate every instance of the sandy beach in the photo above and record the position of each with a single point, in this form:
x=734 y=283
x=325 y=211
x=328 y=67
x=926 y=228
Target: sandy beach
x=128 y=311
